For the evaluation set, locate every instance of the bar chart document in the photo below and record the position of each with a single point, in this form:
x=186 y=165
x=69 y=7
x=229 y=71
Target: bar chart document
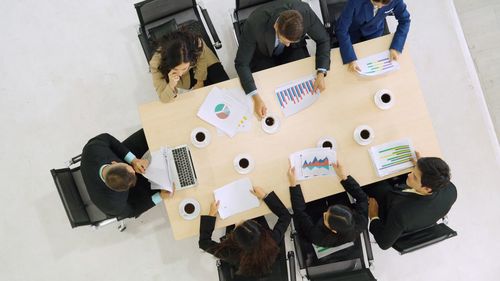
x=392 y=157
x=296 y=95
x=313 y=162
x=235 y=198
x=377 y=64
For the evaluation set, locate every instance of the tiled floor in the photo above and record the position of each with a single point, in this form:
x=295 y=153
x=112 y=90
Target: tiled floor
x=70 y=70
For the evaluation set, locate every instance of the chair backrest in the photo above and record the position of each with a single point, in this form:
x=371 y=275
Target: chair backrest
x=74 y=196
x=242 y=11
x=422 y=238
x=151 y=11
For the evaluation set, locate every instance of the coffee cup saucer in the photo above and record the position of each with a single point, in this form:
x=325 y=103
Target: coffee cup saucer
x=273 y=128
x=320 y=142
x=203 y=143
x=357 y=136
x=240 y=170
x=194 y=214
x=378 y=99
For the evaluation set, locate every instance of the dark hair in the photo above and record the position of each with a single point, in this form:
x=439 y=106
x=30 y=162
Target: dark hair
x=178 y=47
x=119 y=178
x=341 y=219
x=255 y=247
x=385 y=2
x=435 y=172
x=290 y=25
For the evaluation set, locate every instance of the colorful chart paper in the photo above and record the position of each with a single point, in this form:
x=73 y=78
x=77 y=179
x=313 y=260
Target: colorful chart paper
x=313 y=162
x=297 y=95
x=377 y=64
x=392 y=157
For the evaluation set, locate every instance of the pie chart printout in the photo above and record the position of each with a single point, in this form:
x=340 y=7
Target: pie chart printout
x=222 y=111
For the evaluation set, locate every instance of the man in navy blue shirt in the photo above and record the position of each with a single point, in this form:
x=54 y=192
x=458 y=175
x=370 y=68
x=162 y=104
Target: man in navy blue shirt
x=363 y=20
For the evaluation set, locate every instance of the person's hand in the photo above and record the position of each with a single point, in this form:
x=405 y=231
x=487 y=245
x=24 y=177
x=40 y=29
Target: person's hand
x=319 y=84
x=140 y=165
x=372 y=208
x=258 y=192
x=173 y=79
x=353 y=67
x=339 y=170
x=393 y=54
x=291 y=176
x=415 y=159
x=214 y=207
x=199 y=84
x=259 y=106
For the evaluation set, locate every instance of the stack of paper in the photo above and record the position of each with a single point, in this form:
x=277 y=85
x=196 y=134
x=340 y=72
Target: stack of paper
x=313 y=162
x=158 y=172
x=296 y=95
x=229 y=110
x=377 y=64
x=392 y=157
x=235 y=198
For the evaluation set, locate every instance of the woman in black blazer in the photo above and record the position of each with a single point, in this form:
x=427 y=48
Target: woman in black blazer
x=252 y=246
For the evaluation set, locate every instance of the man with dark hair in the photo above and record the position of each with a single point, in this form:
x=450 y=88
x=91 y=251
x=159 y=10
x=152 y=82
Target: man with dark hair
x=426 y=197
x=364 y=20
x=112 y=174
x=336 y=224
x=274 y=34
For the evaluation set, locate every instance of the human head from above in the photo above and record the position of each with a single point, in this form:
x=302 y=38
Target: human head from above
x=119 y=176
x=289 y=27
x=339 y=219
x=179 y=51
x=380 y=3
x=429 y=175
x=257 y=249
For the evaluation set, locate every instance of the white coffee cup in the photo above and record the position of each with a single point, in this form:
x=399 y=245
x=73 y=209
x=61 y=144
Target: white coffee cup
x=189 y=208
x=270 y=124
x=200 y=137
x=327 y=142
x=364 y=135
x=243 y=163
x=384 y=99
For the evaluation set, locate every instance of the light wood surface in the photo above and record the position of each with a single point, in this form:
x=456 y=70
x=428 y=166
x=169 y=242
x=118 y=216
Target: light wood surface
x=346 y=103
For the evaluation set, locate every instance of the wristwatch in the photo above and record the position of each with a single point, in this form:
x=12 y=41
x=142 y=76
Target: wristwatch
x=321 y=71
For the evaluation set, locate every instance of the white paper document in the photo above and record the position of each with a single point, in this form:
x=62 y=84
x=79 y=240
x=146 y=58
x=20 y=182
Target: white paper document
x=158 y=172
x=322 y=252
x=377 y=64
x=392 y=157
x=296 y=95
x=313 y=162
x=229 y=110
x=235 y=198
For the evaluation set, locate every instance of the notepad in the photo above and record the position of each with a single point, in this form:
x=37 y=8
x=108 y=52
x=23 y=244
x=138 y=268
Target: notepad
x=392 y=157
x=235 y=198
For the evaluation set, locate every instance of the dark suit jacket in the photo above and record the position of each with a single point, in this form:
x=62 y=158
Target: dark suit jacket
x=318 y=233
x=102 y=150
x=405 y=212
x=357 y=22
x=207 y=225
x=258 y=35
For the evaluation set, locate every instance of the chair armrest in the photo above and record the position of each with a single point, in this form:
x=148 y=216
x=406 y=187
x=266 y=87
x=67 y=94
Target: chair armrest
x=324 y=13
x=74 y=160
x=368 y=245
x=291 y=265
x=217 y=44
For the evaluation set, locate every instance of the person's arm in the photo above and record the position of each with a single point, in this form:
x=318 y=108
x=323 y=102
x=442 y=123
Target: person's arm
x=115 y=146
x=386 y=232
x=244 y=55
x=318 y=33
x=303 y=220
x=342 y=32
x=163 y=89
x=207 y=225
x=403 y=17
x=361 y=206
x=274 y=203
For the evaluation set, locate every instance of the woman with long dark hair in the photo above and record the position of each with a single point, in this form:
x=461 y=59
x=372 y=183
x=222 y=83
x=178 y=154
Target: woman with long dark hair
x=183 y=61
x=252 y=247
x=326 y=224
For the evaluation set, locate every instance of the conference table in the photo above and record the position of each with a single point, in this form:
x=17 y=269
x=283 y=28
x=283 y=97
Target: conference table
x=346 y=103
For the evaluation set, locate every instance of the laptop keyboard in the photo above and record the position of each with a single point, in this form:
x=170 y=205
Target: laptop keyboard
x=183 y=165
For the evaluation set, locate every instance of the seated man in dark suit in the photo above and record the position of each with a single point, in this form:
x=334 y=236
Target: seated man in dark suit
x=274 y=34
x=426 y=197
x=339 y=224
x=112 y=173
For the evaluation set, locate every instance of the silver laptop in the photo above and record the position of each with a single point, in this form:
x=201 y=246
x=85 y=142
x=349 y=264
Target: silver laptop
x=181 y=169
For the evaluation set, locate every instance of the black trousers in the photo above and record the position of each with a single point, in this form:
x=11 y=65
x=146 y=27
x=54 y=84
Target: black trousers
x=139 y=196
x=215 y=74
x=292 y=53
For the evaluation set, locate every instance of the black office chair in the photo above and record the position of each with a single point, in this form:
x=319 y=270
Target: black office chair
x=75 y=198
x=330 y=13
x=241 y=12
x=422 y=238
x=160 y=17
x=280 y=271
